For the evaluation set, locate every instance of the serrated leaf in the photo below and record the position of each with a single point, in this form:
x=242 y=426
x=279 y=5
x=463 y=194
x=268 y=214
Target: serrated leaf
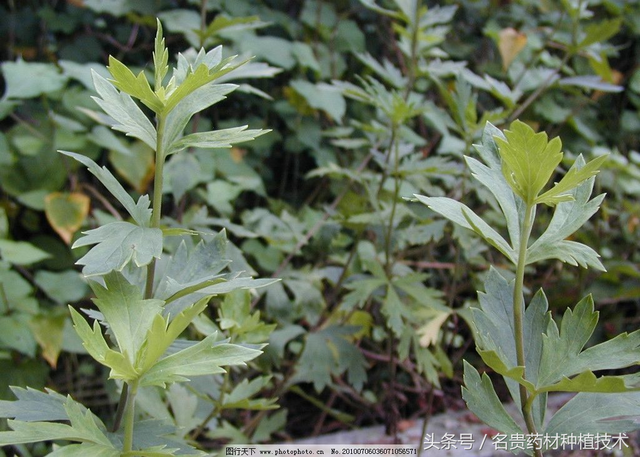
x=491 y=176
x=394 y=310
x=117 y=244
x=194 y=79
x=239 y=397
x=328 y=352
x=160 y=57
x=125 y=115
x=529 y=159
x=84 y=427
x=567 y=218
x=430 y=331
x=494 y=330
x=199 y=100
x=462 y=215
x=162 y=333
x=587 y=381
x=483 y=401
x=140 y=211
x=95 y=344
x=33 y=405
x=576 y=175
x=216 y=139
x=562 y=355
x=596 y=413
x=205 y=357
x=136 y=86
x=66 y=212
x=129 y=315
x=84 y=449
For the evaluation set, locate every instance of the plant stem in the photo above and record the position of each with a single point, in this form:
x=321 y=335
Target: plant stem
x=518 y=316
x=394 y=203
x=129 y=416
x=157 y=199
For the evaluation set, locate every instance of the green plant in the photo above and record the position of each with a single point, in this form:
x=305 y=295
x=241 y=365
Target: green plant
x=525 y=346
x=144 y=308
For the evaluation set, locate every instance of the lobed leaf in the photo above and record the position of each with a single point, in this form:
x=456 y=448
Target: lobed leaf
x=205 y=357
x=216 y=139
x=136 y=86
x=130 y=317
x=118 y=244
x=125 y=115
x=462 y=215
x=529 y=159
x=140 y=211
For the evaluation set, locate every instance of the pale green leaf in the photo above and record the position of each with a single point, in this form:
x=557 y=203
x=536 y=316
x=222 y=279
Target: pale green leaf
x=597 y=413
x=95 y=344
x=323 y=97
x=482 y=400
x=461 y=214
x=21 y=252
x=162 y=333
x=216 y=139
x=117 y=244
x=491 y=176
x=84 y=449
x=129 y=315
x=199 y=100
x=205 y=357
x=125 y=115
x=194 y=79
x=576 y=175
x=562 y=354
x=33 y=405
x=140 y=211
x=31 y=79
x=567 y=218
x=591 y=82
x=529 y=159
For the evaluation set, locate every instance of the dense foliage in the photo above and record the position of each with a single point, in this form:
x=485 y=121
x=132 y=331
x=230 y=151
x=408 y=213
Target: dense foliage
x=369 y=104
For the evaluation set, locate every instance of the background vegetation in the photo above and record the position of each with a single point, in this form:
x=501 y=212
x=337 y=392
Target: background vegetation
x=369 y=103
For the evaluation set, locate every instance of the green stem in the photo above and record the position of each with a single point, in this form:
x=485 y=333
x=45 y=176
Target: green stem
x=129 y=417
x=394 y=203
x=158 y=182
x=518 y=316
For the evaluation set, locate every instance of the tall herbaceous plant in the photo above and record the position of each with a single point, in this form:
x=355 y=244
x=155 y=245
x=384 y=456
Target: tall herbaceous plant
x=523 y=343
x=145 y=299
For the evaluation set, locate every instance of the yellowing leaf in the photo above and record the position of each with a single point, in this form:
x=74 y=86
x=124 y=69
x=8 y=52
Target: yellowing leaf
x=137 y=168
x=429 y=332
x=66 y=212
x=510 y=43
x=48 y=332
